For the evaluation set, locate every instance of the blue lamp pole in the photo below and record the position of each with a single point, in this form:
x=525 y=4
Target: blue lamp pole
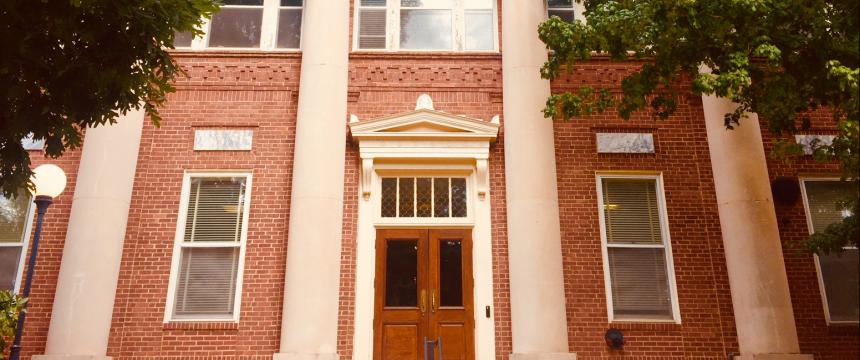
x=49 y=181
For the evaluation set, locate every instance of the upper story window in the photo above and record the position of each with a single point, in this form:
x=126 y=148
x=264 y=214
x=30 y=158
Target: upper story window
x=250 y=24
x=837 y=273
x=561 y=8
x=637 y=256
x=15 y=218
x=422 y=25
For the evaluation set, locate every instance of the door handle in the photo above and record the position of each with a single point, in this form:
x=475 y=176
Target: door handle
x=422 y=303
x=433 y=306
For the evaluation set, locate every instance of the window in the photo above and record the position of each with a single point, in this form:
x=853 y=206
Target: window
x=210 y=247
x=423 y=197
x=838 y=273
x=15 y=218
x=250 y=24
x=561 y=8
x=454 y=25
x=637 y=256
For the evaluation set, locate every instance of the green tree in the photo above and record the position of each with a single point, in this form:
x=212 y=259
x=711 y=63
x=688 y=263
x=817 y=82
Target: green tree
x=782 y=59
x=11 y=306
x=69 y=64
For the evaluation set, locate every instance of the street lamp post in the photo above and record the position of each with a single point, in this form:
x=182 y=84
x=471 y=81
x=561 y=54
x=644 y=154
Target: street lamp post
x=49 y=181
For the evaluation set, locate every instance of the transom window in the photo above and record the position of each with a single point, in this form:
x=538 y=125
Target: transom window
x=210 y=246
x=427 y=197
x=250 y=24
x=839 y=275
x=453 y=25
x=637 y=257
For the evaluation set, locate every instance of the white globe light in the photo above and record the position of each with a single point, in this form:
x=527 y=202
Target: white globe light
x=49 y=179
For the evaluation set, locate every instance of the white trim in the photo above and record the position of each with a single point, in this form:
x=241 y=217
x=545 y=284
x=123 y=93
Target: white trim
x=482 y=272
x=178 y=244
x=424 y=143
x=667 y=245
x=818 y=274
x=268 y=30
x=392 y=27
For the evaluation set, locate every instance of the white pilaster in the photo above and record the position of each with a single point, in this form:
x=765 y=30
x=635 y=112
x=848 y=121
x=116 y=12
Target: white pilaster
x=86 y=287
x=311 y=292
x=538 y=317
x=759 y=286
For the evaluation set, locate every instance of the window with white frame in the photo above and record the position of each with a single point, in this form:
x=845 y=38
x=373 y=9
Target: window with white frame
x=561 y=8
x=838 y=273
x=423 y=197
x=250 y=24
x=15 y=218
x=637 y=256
x=441 y=25
x=210 y=247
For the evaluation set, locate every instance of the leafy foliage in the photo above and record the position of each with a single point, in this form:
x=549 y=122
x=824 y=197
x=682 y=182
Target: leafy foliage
x=66 y=65
x=782 y=59
x=11 y=305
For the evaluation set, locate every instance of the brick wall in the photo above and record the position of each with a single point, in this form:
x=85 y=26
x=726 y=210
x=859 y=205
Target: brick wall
x=242 y=91
x=816 y=337
x=706 y=329
x=385 y=84
x=50 y=252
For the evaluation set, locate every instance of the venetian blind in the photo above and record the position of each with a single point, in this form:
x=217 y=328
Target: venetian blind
x=371 y=24
x=630 y=211
x=636 y=253
x=823 y=198
x=206 y=282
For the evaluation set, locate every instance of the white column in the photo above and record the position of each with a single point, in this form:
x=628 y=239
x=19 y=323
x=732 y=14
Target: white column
x=538 y=317
x=762 y=306
x=309 y=324
x=86 y=287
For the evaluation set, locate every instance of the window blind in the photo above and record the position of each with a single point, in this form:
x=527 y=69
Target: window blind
x=207 y=275
x=371 y=24
x=631 y=212
x=637 y=264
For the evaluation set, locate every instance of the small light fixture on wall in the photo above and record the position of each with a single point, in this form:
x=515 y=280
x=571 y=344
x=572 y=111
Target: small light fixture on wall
x=614 y=339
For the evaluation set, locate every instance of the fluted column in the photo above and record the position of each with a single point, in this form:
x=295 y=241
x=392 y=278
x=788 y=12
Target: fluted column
x=759 y=286
x=309 y=323
x=538 y=317
x=86 y=286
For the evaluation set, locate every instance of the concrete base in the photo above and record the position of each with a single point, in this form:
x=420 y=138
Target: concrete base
x=297 y=356
x=71 y=357
x=544 y=356
x=774 y=357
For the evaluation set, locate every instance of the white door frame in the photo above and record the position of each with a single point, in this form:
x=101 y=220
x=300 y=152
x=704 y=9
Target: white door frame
x=424 y=142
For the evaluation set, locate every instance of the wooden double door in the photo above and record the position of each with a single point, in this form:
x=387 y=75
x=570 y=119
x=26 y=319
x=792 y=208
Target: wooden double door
x=423 y=290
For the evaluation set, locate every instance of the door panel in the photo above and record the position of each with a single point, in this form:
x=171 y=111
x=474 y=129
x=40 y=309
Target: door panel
x=400 y=342
x=423 y=289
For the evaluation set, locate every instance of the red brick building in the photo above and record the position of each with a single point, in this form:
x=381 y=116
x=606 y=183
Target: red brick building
x=394 y=180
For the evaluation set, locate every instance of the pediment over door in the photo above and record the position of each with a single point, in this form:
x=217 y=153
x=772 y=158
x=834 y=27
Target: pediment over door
x=423 y=135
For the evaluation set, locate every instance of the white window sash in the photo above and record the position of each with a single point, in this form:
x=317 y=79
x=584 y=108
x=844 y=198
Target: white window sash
x=392 y=27
x=24 y=244
x=180 y=243
x=665 y=245
x=268 y=29
x=818 y=273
